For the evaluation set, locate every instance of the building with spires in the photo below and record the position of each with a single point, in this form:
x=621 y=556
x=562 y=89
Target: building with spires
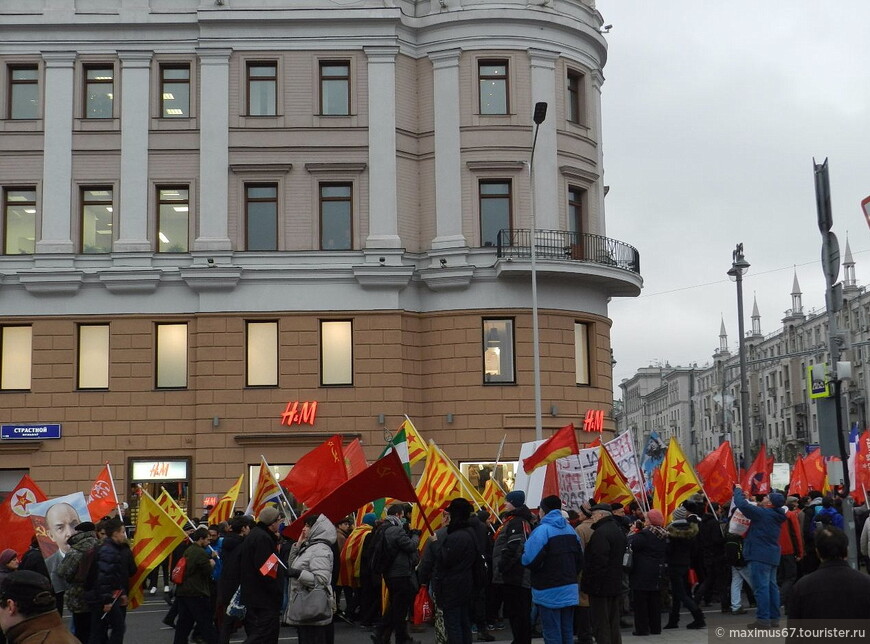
x=780 y=411
x=234 y=229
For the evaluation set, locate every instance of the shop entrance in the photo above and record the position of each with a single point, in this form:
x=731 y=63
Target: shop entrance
x=154 y=476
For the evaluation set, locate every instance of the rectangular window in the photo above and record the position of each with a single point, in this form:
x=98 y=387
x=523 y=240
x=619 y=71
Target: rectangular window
x=262 y=89
x=97 y=220
x=175 y=91
x=334 y=88
x=261 y=217
x=498 y=351
x=16 y=358
x=23 y=92
x=495 y=210
x=575 y=209
x=336 y=208
x=172 y=219
x=262 y=354
x=493 y=79
x=19 y=221
x=575 y=97
x=94 y=356
x=336 y=352
x=99 y=91
x=171 y=356
x=581 y=353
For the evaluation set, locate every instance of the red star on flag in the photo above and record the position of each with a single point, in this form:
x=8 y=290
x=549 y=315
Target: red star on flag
x=23 y=499
x=153 y=520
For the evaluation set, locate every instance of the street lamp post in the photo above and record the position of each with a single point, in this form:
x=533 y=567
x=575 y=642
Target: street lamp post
x=538 y=117
x=739 y=266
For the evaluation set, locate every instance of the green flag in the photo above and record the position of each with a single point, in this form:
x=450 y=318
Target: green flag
x=399 y=443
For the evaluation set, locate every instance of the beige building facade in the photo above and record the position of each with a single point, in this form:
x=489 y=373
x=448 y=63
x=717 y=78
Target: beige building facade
x=212 y=211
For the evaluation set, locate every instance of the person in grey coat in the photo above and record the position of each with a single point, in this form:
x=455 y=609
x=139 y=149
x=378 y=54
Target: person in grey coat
x=310 y=565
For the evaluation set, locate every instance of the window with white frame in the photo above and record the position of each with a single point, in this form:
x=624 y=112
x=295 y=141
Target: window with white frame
x=16 y=358
x=336 y=352
x=262 y=354
x=171 y=359
x=93 y=356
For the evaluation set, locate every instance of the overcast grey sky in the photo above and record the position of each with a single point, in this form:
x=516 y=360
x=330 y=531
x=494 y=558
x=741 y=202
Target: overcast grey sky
x=713 y=112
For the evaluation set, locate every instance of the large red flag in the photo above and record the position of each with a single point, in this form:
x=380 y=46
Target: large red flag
x=757 y=477
x=102 y=497
x=797 y=484
x=385 y=477
x=551 y=481
x=862 y=462
x=718 y=473
x=354 y=458
x=562 y=443
x=816 y=470
x=16 y=528
x=317 y=473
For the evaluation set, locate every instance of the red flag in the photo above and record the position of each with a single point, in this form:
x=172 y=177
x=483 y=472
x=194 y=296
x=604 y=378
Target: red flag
x=797 y=484
x=816 y=470
x=317 y=473
x=551 y=481
x=862 y=462
x=757 y=477
x=101 y=498
x=718 y=473
x=385 y=477
x=354 y=458
x=270 y=566
x=17 y=528
x=562 y=443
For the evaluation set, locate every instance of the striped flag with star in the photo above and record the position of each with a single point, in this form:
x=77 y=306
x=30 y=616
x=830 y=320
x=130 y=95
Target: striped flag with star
x=351 y=556
x=678 y=480
x=416 y=446
x=611 y=486
x=437 y=485
x=267 y=490
x=171 y=508
x=157 y=535
x=494 y=497
x=223 y=509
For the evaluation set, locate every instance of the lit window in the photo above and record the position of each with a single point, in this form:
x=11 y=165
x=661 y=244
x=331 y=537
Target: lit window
x=575 y=97
x=498 y=351
x=336 y=207
x=99 y=92
x=334 y=88
x=262 y=89
x=336 y=352
x=261 y=217
x=262 y=354
x=19 y=221
x=495 y=210
x=94 y=356
x=175 y=91
x=172 y=219
x=492 y=76
x=97 y=220
x=24 y=92
x=16 y=357
x=171 y=356
x=581 y=353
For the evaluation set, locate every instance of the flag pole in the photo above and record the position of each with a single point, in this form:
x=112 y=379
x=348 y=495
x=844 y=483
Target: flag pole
x=644 y=504
x=281 y=489
x=115 y=492
x=463 y=481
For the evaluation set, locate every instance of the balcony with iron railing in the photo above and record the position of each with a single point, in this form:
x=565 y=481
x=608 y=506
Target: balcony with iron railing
x=560 y=251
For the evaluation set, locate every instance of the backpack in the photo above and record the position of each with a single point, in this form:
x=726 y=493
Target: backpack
x=382 y=556
x=734 y=550
x=86 y=563
x=177 y=576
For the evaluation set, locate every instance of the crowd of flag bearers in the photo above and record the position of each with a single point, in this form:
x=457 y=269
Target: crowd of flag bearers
x=360 y=543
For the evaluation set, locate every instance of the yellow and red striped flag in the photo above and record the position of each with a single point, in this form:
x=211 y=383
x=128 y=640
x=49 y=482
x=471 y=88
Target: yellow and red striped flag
x=416 y=446
x=223 y=509
x=678 y=481
x=171 y=507
x=610 y=483
x=157 y=535
x=351 y=555
x=267 y=489
x=494 y=497
x=437 y=485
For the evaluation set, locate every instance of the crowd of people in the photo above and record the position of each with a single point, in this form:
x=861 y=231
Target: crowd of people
x=570 y=576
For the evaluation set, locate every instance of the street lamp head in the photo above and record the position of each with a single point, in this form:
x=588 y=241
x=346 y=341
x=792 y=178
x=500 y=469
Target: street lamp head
x=540 y=113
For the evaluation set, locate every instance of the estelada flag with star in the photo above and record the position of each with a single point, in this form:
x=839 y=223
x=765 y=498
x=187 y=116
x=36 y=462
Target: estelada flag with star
x=611 y=486
x=223 y=509
x=678 y=481
x=718 y=473
x=317 y=473
x=157 y=535
x=17 y=528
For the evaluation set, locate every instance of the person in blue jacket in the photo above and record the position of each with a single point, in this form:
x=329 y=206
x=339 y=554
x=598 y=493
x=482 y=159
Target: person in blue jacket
x=555 y=558
x=762 y=553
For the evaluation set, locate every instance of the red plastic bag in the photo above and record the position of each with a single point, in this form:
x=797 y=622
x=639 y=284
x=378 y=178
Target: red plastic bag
x=422 y=607
x=177 y=576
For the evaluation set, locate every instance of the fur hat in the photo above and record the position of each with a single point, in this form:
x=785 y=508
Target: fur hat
x=655 y=517
x=268 y=515
x=516 y=498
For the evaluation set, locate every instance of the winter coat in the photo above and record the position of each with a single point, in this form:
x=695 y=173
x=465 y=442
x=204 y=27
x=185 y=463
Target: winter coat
x=33 y=560
x=555 y=558
x=649 y=554
x=453 y=576
x=258 y=589
x=762 y=541
x=403 y=544
x=47 y=628
x=832 y=592
x=231 y=573
x=197 y=573
x=508 y=549
x=790 y=539
x=681 y=538
x=426 y=569
x=711 y=539
x=314 y=559
x=81 y=544
x=115 y=566
x=602 y=572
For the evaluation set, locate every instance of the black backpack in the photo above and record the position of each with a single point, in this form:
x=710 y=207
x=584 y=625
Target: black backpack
x=734 y=550
x=382 y=556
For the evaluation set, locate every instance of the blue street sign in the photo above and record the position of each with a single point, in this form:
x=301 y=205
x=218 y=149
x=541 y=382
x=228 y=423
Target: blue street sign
x=29 y=432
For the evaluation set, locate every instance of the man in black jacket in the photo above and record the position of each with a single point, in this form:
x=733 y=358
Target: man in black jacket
x=401 y=545
x=602 y=573
x=231 y=573
x=509 y=571
x=115 y=566
x=262 y=594
x=454 y=577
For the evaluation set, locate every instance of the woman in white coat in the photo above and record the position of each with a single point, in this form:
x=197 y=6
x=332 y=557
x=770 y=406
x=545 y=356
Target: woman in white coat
x=310 y=571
